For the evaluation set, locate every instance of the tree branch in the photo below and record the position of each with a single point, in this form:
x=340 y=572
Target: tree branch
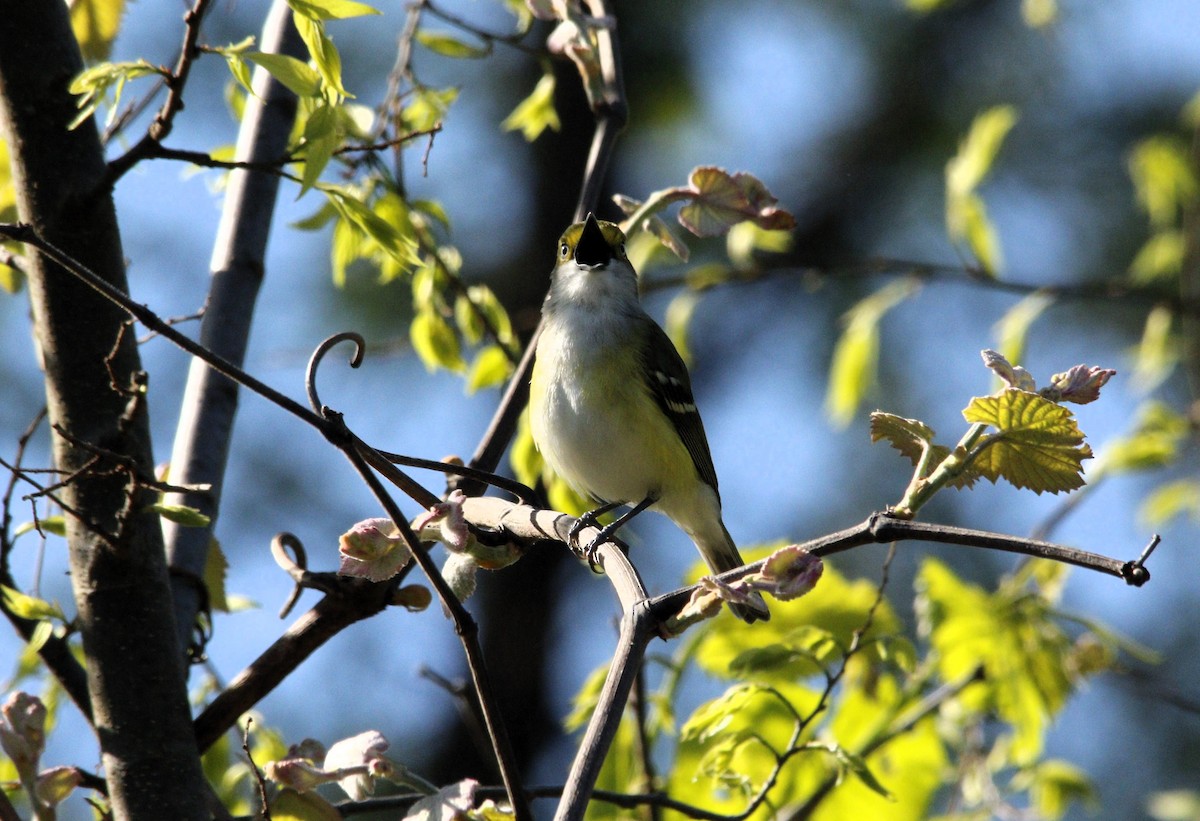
x=209 y=405
x=164 y=120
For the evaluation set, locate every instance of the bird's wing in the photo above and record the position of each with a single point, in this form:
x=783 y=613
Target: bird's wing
x=669 y=384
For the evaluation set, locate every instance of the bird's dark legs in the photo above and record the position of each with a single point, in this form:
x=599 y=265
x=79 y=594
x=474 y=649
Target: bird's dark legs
x=589 y=520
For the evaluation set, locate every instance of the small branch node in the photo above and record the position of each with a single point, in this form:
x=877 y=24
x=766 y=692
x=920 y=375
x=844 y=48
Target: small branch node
x=1135 y=573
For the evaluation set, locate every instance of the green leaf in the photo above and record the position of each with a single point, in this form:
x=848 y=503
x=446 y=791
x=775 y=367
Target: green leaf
x=535 y=113
x=331 y=9
x=524 y=457
x=746 y=238
x=858 y=765
x=803 y=650
x=817 y=627
x=585 y=701
x=180 y=514
x=978 y=149
x=53 y=525
x=1055 y=785
x=678 y=318
x=713 y=717
x=856 y=354
x=435 y=342
x=1013 y=327
x=966 y=214
x=1160 y=260
x=11 y=280
x=28 y=607
x=428 y=108
x=289 y=805
x=215 y=568
x=1037 y=444
x=1157 y=352
x=95 y=84
x=95 y=23
x=478 y=313
x=43 y=631
x=447 y=45
x=324 y=55
x=1174 y=805
x=981 y=236
x=490 y=369
x=383 y=233
x=1039 y=14
x=1163 y=179
x=321 y=138
x=1158 y=434
x=1012 y=634
x=1165 y=502
x=300 y=78
x=911 y=437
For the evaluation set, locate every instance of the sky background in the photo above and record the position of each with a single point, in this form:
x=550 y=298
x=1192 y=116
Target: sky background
x=857 y=104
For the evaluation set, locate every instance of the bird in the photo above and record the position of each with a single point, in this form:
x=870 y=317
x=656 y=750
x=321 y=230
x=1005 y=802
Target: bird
x=611 y=405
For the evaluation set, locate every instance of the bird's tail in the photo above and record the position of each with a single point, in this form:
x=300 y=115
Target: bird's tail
x=722 y=554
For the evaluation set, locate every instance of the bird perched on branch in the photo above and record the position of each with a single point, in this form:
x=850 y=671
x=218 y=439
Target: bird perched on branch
x=611 y=404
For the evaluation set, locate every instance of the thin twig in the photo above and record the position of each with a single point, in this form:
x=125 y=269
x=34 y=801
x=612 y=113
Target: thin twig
x=164 y=120
x=265 y=811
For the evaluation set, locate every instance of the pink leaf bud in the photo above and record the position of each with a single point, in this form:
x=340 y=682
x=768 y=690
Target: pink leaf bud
x=373 y=549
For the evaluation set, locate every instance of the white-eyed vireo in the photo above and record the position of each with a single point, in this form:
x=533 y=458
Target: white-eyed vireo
x=611 y=405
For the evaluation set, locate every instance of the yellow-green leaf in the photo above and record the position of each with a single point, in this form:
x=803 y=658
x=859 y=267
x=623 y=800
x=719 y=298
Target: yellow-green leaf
x=321 y=139
x=300 y=78
x=95 y=23
x=435 y=342
x=978 y=149
x=1160 y=259
x=428 y=107
x=11 y=280
x=523 y=456
x=1037 y=444
x=479 y=312
x=678 y=318
x=324 y=55
x=1165 y=502
x=331 y=9
x=29 y=607
x=215 y=568
x=1039 y=13
x=353 y=210
x=1158 y=434
x=447 y=45
x=490 y=369
x=1163 y=178
x=289 y=805
x=1158 y=352
x=856 y=354
x=966 y=214
x=535 y=113
x=1056 y=785
x=180 y=514
x=1013 y=327
x=1012 y=634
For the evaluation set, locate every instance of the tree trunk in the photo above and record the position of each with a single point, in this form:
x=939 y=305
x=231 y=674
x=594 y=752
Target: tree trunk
x=101 y=442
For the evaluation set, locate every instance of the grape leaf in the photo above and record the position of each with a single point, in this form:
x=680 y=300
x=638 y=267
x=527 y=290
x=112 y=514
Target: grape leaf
x=1037 y=444
x=906 y=436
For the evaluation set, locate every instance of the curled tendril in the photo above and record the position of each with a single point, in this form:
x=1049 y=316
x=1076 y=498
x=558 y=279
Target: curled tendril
x=310 y=375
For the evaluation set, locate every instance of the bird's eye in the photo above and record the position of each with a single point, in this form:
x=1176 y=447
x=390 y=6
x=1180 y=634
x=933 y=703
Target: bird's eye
x=564 y=250
x=621 y=250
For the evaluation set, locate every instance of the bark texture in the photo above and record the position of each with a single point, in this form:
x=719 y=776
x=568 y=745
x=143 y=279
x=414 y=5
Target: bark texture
x=101 y=441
